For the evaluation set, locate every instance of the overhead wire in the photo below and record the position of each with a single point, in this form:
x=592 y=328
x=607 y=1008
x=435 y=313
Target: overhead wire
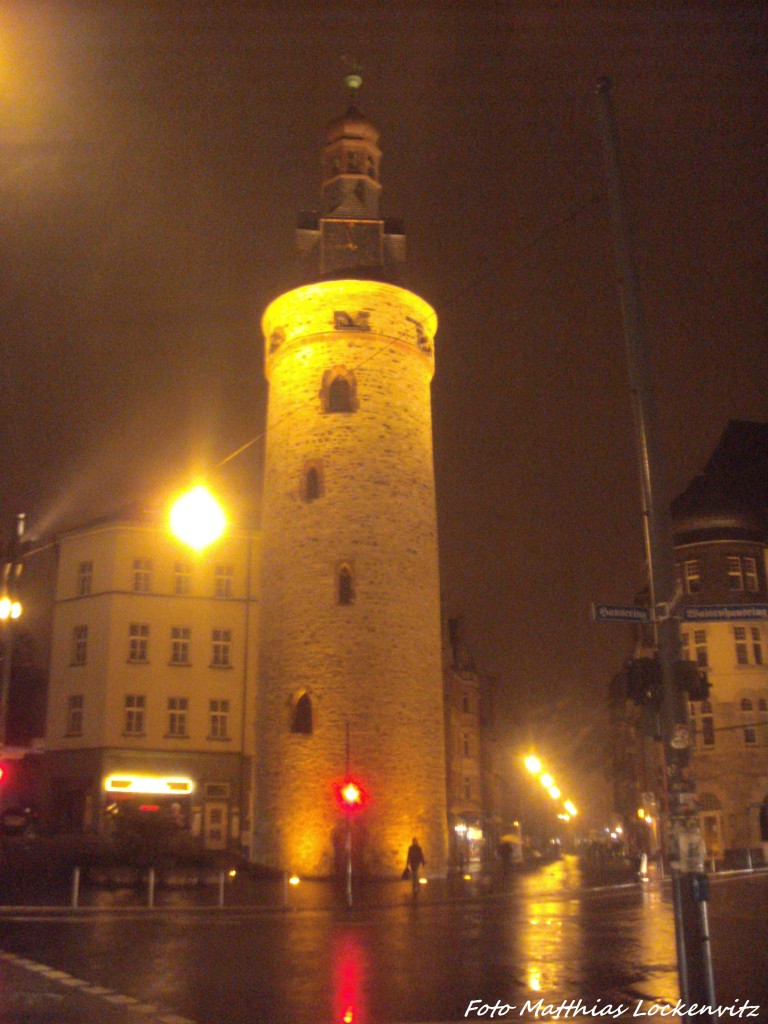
x=458 y=294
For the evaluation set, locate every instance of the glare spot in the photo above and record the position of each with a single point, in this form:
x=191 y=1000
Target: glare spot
x=197 y=518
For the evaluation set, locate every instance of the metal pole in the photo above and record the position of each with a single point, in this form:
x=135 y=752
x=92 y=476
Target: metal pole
x=683 y=837
x=349 y=836
x=151 y=888
x=75 y=888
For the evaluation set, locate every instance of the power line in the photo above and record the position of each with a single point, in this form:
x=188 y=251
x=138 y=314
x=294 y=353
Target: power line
x=470 y=285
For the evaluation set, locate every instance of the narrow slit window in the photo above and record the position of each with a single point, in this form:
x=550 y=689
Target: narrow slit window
x=301 y=721
x=346 y=588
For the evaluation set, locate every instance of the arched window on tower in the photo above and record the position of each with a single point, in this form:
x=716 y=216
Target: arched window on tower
x=338 y=392
x=301 y=718
x=311 y=484
x=340 y=396
x=345 y=586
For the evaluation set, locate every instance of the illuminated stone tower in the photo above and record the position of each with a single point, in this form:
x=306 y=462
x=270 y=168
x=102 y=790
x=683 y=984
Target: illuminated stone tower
x=350 y=635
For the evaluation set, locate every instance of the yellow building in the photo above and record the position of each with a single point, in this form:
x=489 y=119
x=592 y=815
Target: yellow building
x=151 y=682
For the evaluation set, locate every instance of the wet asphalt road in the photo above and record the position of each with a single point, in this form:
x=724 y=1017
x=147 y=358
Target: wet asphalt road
x=535 y=936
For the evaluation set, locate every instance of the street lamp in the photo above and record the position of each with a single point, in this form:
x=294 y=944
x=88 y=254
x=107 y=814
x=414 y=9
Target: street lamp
x=197 y=519
x=10 y=610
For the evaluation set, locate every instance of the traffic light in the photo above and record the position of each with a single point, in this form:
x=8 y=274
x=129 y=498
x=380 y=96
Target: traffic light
x=350 y=795
x=644 y=683
x=691 y=677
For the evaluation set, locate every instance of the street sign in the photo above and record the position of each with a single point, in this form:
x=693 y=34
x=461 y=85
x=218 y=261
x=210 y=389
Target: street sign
x=725 y=612
x=620 y=613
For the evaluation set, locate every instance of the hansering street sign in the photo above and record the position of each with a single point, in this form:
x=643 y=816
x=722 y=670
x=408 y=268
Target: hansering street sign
x=620 y=613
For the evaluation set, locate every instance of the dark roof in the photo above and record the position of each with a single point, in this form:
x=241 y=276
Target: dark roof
x=735 y=479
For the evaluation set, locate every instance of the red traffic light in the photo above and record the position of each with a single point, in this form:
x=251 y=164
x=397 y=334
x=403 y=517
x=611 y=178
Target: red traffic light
x=350 y=795
x=2 y=772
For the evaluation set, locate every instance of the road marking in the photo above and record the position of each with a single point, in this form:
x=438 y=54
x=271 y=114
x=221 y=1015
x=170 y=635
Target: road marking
x=108 y=995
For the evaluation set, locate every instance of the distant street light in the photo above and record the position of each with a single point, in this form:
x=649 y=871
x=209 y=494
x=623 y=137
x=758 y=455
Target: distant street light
x=197 y=519
x=533 y=764
x=10 y=610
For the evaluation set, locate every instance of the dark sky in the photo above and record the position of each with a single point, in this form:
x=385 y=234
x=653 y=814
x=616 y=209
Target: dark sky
x=153 y=158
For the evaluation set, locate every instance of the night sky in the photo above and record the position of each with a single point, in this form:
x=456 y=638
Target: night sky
x=153 y=159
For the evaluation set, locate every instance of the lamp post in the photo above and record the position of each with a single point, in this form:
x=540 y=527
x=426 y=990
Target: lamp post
x=683 y=837
x=10 y=610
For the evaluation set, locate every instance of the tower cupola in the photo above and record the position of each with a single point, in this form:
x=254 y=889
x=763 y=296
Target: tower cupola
x=350 y=162
x=349 y=238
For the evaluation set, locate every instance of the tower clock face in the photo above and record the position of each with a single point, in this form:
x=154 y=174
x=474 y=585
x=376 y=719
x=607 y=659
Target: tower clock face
x=351 y=243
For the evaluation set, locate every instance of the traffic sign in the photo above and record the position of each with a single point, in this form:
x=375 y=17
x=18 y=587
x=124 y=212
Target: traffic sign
x=620 y=613
x=725 y=612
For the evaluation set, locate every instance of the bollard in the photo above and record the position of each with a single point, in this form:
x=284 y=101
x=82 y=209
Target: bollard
x=75 y=888
x=221 y=889
x=151 y=888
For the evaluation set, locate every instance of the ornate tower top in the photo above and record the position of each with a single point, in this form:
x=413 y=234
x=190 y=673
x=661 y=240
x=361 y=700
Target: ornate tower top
x=349 y=237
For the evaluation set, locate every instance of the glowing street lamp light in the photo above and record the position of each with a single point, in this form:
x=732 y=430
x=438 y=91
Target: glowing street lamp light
x=533 y=764
x=555 y=793
x=9 y=609
x=197 y=519
x=547 y=781
x=570 y=808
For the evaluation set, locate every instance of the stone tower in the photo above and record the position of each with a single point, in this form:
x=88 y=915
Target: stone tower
x=350 y=667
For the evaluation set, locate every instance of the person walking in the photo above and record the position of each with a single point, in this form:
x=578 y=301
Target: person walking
x=414 y=861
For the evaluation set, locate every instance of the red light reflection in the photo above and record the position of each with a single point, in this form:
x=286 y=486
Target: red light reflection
x=349 y=1006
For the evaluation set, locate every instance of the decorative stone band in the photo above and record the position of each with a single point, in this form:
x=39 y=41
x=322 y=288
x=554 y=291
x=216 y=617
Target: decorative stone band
x=378 y=310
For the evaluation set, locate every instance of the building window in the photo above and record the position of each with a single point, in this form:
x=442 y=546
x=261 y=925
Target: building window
x=338 y=392
x=750 y=575
x=757 y=645
x=219 y=710
x=762 y=704
x=750 y=734
x=138 y=642
x=180 y=643
x=223 y=576
x=740 y=636
x=301 y=719
x=74 y=723
x=466 y=744
x=178 y=708
x=221 y=656
x=735 y=575
x=692 y=570
x=700 y=643
x=182 y=579
x=84 y=579
x=142 y=575
x=135 y=706
x=80 y=645
x=707 y=724
x=345 y=585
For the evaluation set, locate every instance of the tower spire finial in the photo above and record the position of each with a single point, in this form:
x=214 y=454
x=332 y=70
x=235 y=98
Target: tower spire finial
x=353 y=79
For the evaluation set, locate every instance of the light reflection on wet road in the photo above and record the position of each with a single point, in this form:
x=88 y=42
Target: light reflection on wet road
x=542 y=936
